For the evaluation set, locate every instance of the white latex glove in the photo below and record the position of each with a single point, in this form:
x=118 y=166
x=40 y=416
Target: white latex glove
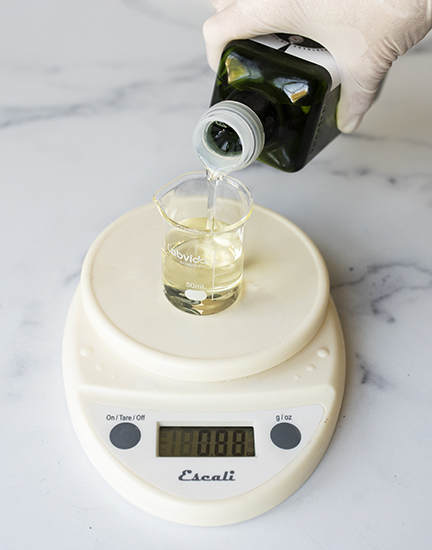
x=364 y=37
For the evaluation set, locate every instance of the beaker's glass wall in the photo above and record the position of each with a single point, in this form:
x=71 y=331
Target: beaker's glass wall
x=202 y=251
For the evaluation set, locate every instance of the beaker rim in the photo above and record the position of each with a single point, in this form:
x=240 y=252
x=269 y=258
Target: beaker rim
x=172 y=184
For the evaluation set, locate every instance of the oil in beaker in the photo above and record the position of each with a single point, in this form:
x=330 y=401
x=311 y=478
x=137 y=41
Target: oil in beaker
x=203 y=272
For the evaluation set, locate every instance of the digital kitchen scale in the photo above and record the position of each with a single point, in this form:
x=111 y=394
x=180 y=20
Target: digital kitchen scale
x=204 y=420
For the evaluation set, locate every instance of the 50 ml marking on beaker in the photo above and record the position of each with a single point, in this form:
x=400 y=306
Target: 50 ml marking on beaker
x=194 y=286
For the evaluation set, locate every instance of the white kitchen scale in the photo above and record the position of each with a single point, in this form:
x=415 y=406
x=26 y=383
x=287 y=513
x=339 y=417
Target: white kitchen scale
x=204 y=420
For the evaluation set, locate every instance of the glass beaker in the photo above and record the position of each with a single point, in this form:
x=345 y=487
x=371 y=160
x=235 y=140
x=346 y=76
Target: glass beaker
x=202 y=251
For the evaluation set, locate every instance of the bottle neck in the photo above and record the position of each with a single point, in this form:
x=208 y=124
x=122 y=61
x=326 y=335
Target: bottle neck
x=229 y=136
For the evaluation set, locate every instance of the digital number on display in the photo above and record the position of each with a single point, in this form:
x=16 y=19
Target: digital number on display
x=202 y=441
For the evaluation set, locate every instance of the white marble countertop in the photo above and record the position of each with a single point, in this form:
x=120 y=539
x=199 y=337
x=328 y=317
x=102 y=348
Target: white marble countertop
x=98 y=100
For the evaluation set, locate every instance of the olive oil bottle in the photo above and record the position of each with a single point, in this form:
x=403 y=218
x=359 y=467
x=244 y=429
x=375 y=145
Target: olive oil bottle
x=274 y=100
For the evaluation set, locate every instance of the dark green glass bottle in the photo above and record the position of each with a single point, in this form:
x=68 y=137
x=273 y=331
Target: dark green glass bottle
x=289 y=87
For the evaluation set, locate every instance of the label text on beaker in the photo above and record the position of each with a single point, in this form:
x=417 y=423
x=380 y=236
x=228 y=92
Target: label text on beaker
x=187 y=259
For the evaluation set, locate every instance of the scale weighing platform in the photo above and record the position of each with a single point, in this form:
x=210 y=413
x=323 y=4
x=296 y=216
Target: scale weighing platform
x=204 y=420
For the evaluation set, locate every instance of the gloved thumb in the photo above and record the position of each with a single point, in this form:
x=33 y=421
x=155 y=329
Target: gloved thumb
x=231 y=23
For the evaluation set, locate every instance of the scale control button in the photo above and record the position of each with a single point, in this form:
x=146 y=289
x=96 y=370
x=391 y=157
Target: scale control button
x=125 y=435
x=285 y=435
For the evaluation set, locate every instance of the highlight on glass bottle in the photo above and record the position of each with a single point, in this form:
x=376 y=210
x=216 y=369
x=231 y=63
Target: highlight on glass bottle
x=202 y=251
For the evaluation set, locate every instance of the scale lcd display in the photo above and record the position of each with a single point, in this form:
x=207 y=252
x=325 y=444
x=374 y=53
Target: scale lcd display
x=203 y=441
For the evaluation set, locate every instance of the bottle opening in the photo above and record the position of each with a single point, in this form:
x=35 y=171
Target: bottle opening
x=229 y=136
x=224 y=137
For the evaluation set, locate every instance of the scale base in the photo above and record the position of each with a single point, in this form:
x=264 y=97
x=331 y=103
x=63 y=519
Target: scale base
x=114 y=379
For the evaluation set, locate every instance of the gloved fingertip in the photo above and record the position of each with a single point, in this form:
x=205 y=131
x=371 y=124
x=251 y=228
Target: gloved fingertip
x=213 y=58
x=211 y=39
x=349 y=124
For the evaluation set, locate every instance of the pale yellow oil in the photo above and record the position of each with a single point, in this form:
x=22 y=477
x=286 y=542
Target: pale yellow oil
x=202 y=273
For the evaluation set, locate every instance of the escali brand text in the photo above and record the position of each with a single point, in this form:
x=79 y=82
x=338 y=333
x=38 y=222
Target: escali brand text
x=188 y=475
x=189 y=259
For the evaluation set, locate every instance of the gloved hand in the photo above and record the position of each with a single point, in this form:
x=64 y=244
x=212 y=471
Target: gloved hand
x=364 y=37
